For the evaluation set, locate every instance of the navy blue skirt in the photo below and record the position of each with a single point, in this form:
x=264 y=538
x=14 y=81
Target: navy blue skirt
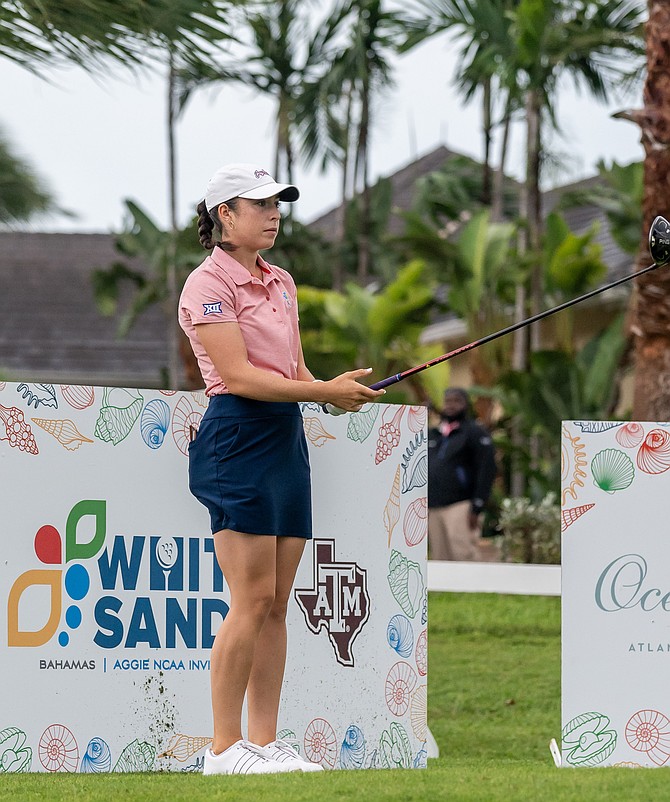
x=249 y=465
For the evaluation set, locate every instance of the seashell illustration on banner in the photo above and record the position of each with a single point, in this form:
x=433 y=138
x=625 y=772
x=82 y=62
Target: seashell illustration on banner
x=184 y=418
x=415 y=464
x=320 y=743
x=168 y=392
x=97 y=758
x=653 y=456
x=119 y=410
x=388 y=437
x=419 y=712
x=200 y=398
x=17 y=432
x=65 y=432
x=417 y=418
x=612 y=470
x=597 y=426
x=37 y=394
x=421 y=653
x=630 y=435
x=568 y=517
x=57 y=749
x=415 y=522
x=315 y=432
x=395 y=750
x=182 y=747
x=406 y=582
x=587 y=740
x=352 y=751
x=573 y=462
x=649 y=731
x=400 y=682
x=392 y=508
x=137 y=756
x=290 y=736
x=15 y=757
x=3 y=385
x=400 y=635
x=78 y=396
x=154 y=422
x=361 y=423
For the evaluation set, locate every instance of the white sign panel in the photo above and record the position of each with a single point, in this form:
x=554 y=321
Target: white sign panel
x=111 y=595
x=615 y=594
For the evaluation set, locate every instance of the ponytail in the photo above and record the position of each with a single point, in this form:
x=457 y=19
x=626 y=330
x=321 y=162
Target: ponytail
x=209 y=222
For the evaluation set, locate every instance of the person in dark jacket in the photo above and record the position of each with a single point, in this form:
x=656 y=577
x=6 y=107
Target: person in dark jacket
x=461 y=470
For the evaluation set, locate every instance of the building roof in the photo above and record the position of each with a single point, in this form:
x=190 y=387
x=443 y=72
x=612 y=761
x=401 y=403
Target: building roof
x=51 y=330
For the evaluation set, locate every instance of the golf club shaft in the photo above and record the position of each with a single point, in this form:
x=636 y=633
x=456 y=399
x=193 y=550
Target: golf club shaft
x=398 y=377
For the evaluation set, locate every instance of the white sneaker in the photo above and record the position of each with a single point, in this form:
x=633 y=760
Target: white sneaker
x=243 y=757
x=282 y=752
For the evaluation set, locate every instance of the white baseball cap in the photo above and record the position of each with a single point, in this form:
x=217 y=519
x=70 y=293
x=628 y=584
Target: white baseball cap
x=245 y=181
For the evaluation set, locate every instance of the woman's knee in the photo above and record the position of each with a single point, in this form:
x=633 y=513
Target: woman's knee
x=253 y=604
x=278 y=610
x=260 y=604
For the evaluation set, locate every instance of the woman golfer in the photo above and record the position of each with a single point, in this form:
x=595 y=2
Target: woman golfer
x=248 y=463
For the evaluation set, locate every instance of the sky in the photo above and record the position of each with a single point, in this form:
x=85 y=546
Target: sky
x=96 y=141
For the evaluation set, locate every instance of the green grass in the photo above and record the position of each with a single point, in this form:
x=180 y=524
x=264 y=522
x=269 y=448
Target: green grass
x=494 y=703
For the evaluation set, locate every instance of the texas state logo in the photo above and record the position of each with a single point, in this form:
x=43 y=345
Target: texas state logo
x=66 y=585
x=338 y=601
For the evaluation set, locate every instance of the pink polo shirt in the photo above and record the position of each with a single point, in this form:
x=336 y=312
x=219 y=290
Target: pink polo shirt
x=222 y=290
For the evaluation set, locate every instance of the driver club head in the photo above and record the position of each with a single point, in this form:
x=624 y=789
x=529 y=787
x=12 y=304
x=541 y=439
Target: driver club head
x=659 y=241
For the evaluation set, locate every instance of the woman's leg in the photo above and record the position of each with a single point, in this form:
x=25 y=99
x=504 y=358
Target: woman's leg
x=267 y=673
x=248 y=565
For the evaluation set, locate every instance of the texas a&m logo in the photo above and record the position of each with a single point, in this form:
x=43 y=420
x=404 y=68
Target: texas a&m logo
x=338 y=601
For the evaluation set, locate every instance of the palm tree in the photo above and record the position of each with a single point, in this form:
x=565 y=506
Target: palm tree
x=280 y=54
x=651 y=311
x=363 y=69
x=34 y=33
x=22 y=194
x=335 y=109
x=590 y=41
x=484 y=28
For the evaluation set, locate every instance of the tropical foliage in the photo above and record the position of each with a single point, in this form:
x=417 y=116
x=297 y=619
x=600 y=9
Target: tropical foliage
x=147 y=256
x=22 y=193
x=34 y=33
x=618 y=192
x=556 y=387
x=530 y=532
x=359 y=327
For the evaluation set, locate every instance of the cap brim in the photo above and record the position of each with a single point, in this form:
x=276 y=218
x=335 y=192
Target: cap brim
x=286 y=192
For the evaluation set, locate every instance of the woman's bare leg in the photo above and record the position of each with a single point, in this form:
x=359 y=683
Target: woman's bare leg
x=248 y=565
x=267 y=673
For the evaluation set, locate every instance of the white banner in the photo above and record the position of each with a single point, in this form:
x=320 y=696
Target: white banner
x=110 y=592
x=615 y=594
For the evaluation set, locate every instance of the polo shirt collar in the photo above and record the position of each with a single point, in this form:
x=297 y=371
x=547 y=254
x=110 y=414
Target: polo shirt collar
x=239 y=274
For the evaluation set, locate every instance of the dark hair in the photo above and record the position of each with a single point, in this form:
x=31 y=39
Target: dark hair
x=209 y=222
x=459 y=391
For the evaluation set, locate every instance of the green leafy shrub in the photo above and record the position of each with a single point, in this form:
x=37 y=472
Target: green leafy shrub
x=530 y=532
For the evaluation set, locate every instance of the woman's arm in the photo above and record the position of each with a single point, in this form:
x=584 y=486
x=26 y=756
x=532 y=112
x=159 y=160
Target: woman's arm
x=304 y=373
x=225 y=346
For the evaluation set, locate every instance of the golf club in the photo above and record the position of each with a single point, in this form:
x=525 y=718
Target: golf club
x=659 y=248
